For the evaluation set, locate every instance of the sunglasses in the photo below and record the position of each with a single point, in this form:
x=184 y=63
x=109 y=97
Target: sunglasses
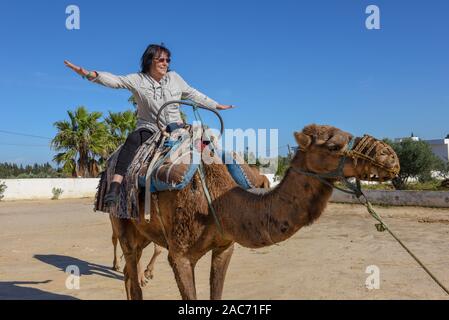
x=163 y=60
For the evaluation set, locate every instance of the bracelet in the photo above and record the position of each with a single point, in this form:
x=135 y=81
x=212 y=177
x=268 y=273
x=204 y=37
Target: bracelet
x=90 y=76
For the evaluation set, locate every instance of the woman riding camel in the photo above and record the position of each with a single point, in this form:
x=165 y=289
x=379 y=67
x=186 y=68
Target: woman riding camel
x=152 y=87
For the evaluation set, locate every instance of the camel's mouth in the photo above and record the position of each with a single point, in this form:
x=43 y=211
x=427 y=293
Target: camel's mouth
x=377 y=160
x=376 y=174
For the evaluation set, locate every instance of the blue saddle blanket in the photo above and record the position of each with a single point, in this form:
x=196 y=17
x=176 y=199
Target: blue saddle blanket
x=176 y=175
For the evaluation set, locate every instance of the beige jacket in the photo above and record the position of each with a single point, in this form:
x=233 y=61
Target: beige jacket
x=150 y=95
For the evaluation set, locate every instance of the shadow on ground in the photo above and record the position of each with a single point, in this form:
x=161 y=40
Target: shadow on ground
x=86 y=268
x=13 y=290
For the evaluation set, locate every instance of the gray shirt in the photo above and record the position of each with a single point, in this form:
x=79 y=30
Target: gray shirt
x=150 y=95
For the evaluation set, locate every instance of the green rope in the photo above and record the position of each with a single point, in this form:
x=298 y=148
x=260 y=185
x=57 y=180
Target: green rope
x=198 y=117
x=381 y=226
x=202 y=175
x=355 y=189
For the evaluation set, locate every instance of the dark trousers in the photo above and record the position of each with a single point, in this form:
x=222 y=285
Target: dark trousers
x=129 y=149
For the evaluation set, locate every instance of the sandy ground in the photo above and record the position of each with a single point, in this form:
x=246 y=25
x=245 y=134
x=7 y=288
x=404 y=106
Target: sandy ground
x=39 y=239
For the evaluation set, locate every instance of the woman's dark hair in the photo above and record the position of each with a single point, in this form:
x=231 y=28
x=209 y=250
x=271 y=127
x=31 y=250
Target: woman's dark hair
x=152 y=51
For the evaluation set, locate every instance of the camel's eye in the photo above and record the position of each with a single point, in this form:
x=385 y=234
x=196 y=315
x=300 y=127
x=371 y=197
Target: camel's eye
x=333 y=147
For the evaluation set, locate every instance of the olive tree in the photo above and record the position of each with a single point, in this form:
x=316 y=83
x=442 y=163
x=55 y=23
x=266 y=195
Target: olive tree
x=417 y=161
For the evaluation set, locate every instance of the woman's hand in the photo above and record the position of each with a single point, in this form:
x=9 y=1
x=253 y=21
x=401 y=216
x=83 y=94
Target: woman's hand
x=224 y=107
x=81 y=71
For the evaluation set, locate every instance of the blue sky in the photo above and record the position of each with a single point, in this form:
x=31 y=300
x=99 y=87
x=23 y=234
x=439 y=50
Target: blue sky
x=285 y=64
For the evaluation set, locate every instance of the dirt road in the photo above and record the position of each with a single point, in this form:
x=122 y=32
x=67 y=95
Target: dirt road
x=328 y=260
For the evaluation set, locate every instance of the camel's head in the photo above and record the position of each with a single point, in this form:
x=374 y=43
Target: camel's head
x=323 y=147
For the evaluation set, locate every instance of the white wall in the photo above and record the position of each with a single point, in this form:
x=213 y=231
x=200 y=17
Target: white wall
x=270 y=177
x=440 y=147
x=438 y=199
x=41 y=189
x=33 y=189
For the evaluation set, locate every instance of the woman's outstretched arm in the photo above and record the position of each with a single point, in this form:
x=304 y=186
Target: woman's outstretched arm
x=81 y=71
x=190 y=93
x=104 y=78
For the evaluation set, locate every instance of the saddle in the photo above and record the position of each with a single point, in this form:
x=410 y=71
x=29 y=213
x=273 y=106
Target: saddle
x=176 y=166
x=167 y=163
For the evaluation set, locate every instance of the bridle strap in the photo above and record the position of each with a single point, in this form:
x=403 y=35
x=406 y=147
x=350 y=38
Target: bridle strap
x=353 y=188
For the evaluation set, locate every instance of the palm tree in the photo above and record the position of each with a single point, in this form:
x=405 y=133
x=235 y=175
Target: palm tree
x=82 y=141
x=120 y=125
x=132 y=100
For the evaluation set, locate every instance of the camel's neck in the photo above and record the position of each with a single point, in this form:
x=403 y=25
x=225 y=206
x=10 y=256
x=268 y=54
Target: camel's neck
x=260 y=220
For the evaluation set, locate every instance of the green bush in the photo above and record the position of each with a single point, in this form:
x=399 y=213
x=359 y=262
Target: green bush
x=282 y=166
x=15 y=171
x=443 y=169
x=57 y=192
x=417 y=161
x=3 y=188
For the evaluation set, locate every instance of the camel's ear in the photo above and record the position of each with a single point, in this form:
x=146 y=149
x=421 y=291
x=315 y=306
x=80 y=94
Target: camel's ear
x=303 y=140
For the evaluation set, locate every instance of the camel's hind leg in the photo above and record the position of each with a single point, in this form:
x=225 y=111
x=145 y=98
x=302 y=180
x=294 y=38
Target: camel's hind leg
x=184 y=270
x=142 y=243
x=150 y=268
x=115 y=263
x=220 y=262
x=128 y=237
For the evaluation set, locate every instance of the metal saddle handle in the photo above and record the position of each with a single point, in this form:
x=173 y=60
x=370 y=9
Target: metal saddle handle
x=188 y=103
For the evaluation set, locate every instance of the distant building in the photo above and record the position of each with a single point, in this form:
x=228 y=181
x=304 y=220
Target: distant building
x=413 y=138
x=440 y=147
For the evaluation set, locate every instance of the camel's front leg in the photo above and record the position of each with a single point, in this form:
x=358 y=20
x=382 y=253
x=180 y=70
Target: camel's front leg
x=184 y=270
x=131 y=277
x=220 y=262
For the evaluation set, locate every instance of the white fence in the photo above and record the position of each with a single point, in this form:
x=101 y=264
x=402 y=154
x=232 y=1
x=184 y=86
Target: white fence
x=41 y=189
x=35 y=189
x=437 y=199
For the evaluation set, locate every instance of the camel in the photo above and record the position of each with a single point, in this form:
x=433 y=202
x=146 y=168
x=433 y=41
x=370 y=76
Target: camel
x=144 y=275
x=253 y=220
x=262 y=180
x=147 y=274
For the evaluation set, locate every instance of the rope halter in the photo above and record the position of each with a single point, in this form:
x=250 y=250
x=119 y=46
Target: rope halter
x=365 y=149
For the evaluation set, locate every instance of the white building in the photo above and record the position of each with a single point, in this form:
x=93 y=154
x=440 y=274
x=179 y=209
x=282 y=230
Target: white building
x=413 y=139
x=440 y=147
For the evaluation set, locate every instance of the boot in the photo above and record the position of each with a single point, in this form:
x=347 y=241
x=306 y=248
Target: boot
x=111 y=198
